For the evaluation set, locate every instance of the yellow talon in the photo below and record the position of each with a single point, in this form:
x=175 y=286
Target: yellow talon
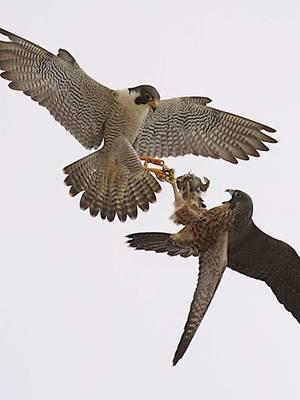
x=164 y=174
x=158 y=172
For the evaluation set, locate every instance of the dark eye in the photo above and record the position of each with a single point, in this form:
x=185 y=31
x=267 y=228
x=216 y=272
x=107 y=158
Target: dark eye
x=238 y=194
x=148 y=97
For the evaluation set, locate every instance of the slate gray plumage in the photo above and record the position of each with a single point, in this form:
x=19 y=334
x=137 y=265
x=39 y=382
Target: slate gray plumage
x=112 y=179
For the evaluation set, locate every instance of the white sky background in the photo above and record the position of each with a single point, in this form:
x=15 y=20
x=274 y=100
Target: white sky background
x=81 y=315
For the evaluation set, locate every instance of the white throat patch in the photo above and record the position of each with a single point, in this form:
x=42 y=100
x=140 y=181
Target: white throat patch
x=127 y=100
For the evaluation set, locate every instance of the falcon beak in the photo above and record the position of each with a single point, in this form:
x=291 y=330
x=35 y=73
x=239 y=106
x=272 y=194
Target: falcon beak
x=154 y=104
x=231 y=192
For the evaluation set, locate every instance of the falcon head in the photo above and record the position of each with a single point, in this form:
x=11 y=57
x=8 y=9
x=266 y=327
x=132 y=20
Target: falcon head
x=244 y=217
x=244 y=201
x=237 y=196
x=146 y=94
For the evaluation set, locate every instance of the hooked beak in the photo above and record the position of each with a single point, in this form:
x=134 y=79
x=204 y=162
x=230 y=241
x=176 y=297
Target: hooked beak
x=231 y=192
x=154 y=104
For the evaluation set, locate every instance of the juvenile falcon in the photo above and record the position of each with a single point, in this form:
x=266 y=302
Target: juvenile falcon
x=205 y=234
x=250 y=252
x=112 y=179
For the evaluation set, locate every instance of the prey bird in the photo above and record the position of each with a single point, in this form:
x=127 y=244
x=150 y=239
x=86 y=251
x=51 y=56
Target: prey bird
x=205 y=234
x=191 y=188
x=250 y=252
x=112 y=179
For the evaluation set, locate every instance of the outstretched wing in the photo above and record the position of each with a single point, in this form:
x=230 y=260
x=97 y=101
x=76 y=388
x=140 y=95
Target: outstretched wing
x=185 y=125
x=211 y=267
x=262 y=257
x=158 y=242
x=74 y=99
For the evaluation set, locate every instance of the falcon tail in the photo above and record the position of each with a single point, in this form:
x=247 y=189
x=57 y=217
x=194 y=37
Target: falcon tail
x=112 y=183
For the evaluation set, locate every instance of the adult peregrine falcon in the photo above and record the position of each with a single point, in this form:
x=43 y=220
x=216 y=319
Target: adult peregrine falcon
x=250 y=252
x=112 y=179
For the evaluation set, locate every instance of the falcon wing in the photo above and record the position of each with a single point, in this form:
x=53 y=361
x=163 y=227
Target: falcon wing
x=262 y=257
x=74 y=99
x=185 y=125
x=160 y=243
x=211 y=267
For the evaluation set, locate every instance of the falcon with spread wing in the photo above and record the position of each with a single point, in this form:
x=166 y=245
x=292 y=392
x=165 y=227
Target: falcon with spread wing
x=250 y=252
x=112 y=179
x=205 y=234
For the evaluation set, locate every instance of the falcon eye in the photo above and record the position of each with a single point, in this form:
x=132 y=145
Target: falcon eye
x=238 y=194
x=148 y=97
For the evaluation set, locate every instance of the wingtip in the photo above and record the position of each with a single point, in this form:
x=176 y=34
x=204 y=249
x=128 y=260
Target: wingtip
x=273 y=140
x=208 y=100
x=5 y=32
x=175 y=361
x=131 y=242
x=269 y=139
x=265 y=137
x=232 y=160
x=269 y=129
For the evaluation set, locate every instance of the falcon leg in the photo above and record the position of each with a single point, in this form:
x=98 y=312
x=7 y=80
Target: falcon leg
x=188 y=192
x=172 y=180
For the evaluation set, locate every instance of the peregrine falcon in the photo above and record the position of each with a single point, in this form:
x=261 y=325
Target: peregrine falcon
x=250 y=252
x=205 y=234
x=112 y=179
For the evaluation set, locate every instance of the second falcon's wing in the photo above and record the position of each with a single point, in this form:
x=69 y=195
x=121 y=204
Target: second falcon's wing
x=158 y=242
x=262 y=257
x=211 y=267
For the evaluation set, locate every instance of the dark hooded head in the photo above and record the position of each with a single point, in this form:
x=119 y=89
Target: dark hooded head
x=146 y=95
x=244 y=218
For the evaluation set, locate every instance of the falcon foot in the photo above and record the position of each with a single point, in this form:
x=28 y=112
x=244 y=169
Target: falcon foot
x=171 y=179
x=163 y=174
